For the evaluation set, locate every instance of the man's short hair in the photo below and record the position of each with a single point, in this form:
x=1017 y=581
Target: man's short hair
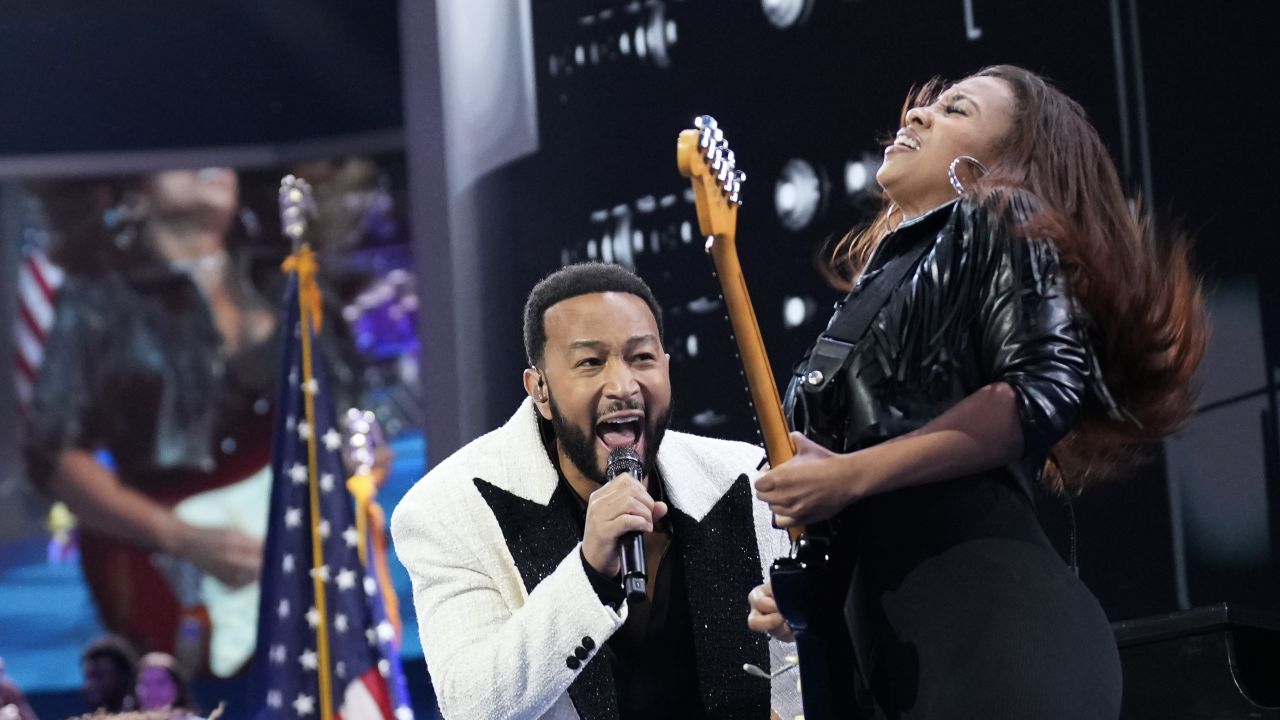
x=114 y=648
x=569 y=282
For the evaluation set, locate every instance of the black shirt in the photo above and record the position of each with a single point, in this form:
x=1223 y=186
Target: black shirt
x=651 y=655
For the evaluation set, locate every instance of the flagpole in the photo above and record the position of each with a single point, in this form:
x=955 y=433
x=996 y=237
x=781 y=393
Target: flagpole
x=304 y=269
x=296 y=204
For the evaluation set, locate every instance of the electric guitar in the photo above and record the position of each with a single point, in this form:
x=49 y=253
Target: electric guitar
x=802 y=587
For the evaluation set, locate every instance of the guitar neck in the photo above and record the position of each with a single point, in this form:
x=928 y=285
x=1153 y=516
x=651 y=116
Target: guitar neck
x=755 y=362
x=774 y=429
x=703 y=156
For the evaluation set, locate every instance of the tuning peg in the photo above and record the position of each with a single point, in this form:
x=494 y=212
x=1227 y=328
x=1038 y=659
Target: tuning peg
x=742 y=177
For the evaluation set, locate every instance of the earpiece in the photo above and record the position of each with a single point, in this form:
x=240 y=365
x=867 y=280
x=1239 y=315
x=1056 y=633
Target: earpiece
x=542 y=395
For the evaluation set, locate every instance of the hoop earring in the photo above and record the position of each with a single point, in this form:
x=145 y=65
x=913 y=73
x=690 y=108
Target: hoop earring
x=951 y=171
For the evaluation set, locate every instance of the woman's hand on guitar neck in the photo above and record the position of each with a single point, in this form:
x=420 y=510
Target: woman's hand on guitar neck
x=764 y=616
x=811 y=487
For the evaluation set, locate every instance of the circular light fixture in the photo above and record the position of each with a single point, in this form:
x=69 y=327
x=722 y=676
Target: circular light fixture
x=796 y=311
x=797 y=195
x=786 y=14
x=860 y=176
x=659 y=36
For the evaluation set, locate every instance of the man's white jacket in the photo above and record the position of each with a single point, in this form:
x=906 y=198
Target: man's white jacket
x=505 y=607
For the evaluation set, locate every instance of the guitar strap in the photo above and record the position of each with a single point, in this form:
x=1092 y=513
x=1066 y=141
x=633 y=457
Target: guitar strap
x=830 y=355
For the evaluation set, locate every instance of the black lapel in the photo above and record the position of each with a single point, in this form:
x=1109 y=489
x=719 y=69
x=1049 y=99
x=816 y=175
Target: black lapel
x=539 y=537
x=721 y=564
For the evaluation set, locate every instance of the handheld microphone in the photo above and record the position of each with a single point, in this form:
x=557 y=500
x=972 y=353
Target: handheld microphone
x=631 y=545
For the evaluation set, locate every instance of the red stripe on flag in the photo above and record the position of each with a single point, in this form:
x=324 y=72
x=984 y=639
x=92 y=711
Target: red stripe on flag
x=24 y=367
x=30 y=321
x=38 y=274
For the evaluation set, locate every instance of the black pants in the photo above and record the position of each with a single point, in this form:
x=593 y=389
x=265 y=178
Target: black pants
x=960 y=609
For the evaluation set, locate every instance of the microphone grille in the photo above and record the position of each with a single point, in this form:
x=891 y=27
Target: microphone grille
x=624 y=459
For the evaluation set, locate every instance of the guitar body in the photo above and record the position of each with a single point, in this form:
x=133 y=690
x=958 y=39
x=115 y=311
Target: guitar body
x=810 y=586
x=134 y=600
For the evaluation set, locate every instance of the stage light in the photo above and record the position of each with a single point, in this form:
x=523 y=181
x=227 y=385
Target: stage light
x=797 y=196
x=860 y=176
x=786 y=14
x=796 y=311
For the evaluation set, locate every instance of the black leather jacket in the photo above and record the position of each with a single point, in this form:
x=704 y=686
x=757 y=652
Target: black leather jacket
x=134 y=365
x=980 y=306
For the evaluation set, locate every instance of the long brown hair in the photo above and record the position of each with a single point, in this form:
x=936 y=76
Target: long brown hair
x=1148 y=322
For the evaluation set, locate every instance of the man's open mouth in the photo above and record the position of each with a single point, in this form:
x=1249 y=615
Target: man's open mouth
x=621 y=429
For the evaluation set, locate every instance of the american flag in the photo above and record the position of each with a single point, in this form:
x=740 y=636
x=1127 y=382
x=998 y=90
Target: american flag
x=322 y=622
x=38 y=282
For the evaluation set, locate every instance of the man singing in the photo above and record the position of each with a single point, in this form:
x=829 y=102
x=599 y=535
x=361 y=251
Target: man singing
x=512 y=542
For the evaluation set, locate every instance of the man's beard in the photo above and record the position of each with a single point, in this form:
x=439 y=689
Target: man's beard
x=580 y=447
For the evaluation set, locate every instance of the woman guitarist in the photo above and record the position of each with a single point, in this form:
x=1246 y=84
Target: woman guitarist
x=1039 y=335
x=164 y=356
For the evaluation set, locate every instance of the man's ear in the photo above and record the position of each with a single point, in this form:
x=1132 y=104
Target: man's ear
x=536 y=387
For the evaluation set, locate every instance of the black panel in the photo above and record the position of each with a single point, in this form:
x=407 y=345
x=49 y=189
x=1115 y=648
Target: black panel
x=133 y=74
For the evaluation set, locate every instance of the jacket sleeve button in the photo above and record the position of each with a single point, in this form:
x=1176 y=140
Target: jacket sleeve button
x=588 y=643
x=580 y=653
x=573 y=662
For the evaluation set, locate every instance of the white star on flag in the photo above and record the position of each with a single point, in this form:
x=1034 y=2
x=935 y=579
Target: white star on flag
x=340 y=622
x=310 y=387
x=326 y=482
x=385 y=632
x=287 y=563
x=304 y=431
x=298 y=473
x=293 y=376
x=404 y=713
x=293 y=517
x=283 y=611
x=313 y=617
x=308 y=660
x=332 y=440
x=346 y=579
x=290 y=423
x=304 y=705
x=275 y=699
x=340 y=669
x=323 y=528
x=351 y=536
x=370 y=636
x=384 y=667
x=370 y=586
x=278 y=654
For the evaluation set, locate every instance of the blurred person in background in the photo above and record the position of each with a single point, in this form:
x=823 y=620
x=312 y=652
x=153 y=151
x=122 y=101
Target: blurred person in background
x=157 y=386
x=161 y=684
x=108 y=665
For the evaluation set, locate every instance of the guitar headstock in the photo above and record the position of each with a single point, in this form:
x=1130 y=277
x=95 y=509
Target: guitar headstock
x=703 y=156
x=297 y=207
